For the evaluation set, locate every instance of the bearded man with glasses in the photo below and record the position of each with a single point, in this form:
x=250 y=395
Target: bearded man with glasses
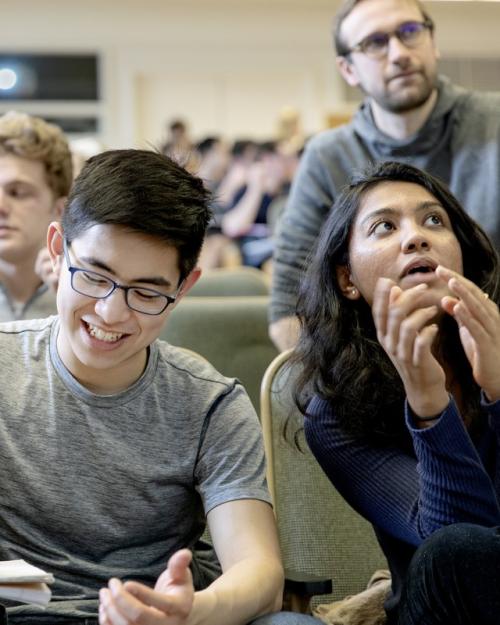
x=387 y=49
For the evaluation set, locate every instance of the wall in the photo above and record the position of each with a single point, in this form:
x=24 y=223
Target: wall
x=227 y=66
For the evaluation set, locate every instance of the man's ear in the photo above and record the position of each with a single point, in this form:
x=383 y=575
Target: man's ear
x=347 y=70
x=55 y=239
x=348 y=289
x=188 y=282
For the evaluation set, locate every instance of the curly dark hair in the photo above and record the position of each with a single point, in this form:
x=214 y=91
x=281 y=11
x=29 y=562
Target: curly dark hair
x=341 y=359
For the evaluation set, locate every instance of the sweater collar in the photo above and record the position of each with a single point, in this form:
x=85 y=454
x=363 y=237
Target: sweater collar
x=423 y=140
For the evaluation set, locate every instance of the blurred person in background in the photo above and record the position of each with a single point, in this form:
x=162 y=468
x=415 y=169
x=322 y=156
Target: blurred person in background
x=289 y=130
x=212 y=154
x=178 y=145
x=217 y=250
x=35 y=178
x=243 y=217
x=243 y=155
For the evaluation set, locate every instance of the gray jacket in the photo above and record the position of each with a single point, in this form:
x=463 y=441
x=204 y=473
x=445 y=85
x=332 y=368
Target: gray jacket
x=459 y=143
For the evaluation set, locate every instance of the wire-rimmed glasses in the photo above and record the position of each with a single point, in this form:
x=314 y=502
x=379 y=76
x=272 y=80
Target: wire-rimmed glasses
x=411 y=34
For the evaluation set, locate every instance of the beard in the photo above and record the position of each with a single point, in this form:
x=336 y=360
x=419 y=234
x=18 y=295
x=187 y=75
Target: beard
x=405 y=98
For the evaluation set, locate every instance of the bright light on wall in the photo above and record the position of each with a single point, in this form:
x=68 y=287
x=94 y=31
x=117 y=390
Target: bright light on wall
x=8 y=78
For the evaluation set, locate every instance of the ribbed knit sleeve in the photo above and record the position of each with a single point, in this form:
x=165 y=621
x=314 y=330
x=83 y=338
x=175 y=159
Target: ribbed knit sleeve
x=493 y=410
x=454 y=484
x=408 y=496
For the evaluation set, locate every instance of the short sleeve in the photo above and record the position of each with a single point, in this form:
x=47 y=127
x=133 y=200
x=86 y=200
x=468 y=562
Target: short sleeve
x=230 y=463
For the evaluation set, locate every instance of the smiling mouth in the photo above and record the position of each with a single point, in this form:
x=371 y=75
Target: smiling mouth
x=102 y=335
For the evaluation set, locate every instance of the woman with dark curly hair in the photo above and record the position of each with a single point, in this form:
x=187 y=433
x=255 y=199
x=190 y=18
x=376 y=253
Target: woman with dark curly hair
x=400 y=385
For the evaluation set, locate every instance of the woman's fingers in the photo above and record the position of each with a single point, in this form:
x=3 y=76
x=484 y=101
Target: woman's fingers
x=475 y=299
x=410 y=330
x=401 y=305
x=423 y=345
x=391 y=305
x=380 y=305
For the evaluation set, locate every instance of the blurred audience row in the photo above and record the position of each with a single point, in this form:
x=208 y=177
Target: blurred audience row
x=250 y=182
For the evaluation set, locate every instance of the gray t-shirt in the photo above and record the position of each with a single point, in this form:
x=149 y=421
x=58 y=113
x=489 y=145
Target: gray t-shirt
x=100 y=486
x=41 y=304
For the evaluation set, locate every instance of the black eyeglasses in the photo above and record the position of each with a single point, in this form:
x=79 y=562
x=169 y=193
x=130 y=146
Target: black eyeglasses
x=97 y=286
x=376 y=45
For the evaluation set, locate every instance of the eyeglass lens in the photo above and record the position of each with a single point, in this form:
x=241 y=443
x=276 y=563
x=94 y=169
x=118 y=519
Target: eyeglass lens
x=96 y=285
x=409 y=34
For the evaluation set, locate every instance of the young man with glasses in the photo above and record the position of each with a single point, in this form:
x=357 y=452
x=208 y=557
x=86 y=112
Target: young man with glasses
x=114 y=445
x=387 y=49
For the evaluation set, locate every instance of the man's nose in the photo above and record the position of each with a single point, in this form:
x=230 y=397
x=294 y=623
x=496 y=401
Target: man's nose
x=397 y=51
x=5 y=204
x=113 y=308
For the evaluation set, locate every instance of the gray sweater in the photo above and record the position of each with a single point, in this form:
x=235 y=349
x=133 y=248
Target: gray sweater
x=459 y=143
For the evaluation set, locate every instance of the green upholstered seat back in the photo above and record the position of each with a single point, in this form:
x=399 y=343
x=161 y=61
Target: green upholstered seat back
x=235 y=281
x=319 y=532
x=230 y=332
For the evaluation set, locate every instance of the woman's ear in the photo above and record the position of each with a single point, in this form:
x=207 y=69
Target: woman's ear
x=348 y=289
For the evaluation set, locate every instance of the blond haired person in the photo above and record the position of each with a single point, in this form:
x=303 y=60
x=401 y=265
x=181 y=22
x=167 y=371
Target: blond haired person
x=35 y=178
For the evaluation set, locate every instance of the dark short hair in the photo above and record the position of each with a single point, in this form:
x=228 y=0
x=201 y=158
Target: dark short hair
x=338 y=349
x=206 y=144
x=145 y=192
x=345 y=9
x=177 y=124
x=240 y=146
x=266 y=148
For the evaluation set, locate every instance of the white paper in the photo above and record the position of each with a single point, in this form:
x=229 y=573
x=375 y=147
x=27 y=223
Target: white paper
x=20 y=581
x=39 y=594
x=19 y=571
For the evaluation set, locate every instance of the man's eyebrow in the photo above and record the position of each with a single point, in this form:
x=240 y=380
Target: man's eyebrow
x=98 y=264
x=392 y=212
x=28 y=183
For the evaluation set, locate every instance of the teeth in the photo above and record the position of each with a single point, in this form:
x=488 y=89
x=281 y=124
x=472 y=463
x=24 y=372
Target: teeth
x=97 y=333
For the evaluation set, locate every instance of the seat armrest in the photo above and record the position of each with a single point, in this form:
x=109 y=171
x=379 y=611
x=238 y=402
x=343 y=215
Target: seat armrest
x=305 y=584
x=300 y=587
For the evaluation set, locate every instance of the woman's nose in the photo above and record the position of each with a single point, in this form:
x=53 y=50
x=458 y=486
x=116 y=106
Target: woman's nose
x=414 y=241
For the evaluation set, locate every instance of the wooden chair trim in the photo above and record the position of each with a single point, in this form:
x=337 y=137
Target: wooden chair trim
x=266 y=418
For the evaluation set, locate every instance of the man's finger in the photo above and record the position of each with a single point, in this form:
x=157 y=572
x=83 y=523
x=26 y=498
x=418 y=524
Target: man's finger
x=178 y=565
x=165 y=602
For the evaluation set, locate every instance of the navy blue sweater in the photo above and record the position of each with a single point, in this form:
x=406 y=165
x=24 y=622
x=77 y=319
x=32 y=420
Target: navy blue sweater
x=408 y=494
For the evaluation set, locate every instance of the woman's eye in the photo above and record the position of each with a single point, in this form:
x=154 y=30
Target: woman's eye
x=382 y=227
x=434 y=220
